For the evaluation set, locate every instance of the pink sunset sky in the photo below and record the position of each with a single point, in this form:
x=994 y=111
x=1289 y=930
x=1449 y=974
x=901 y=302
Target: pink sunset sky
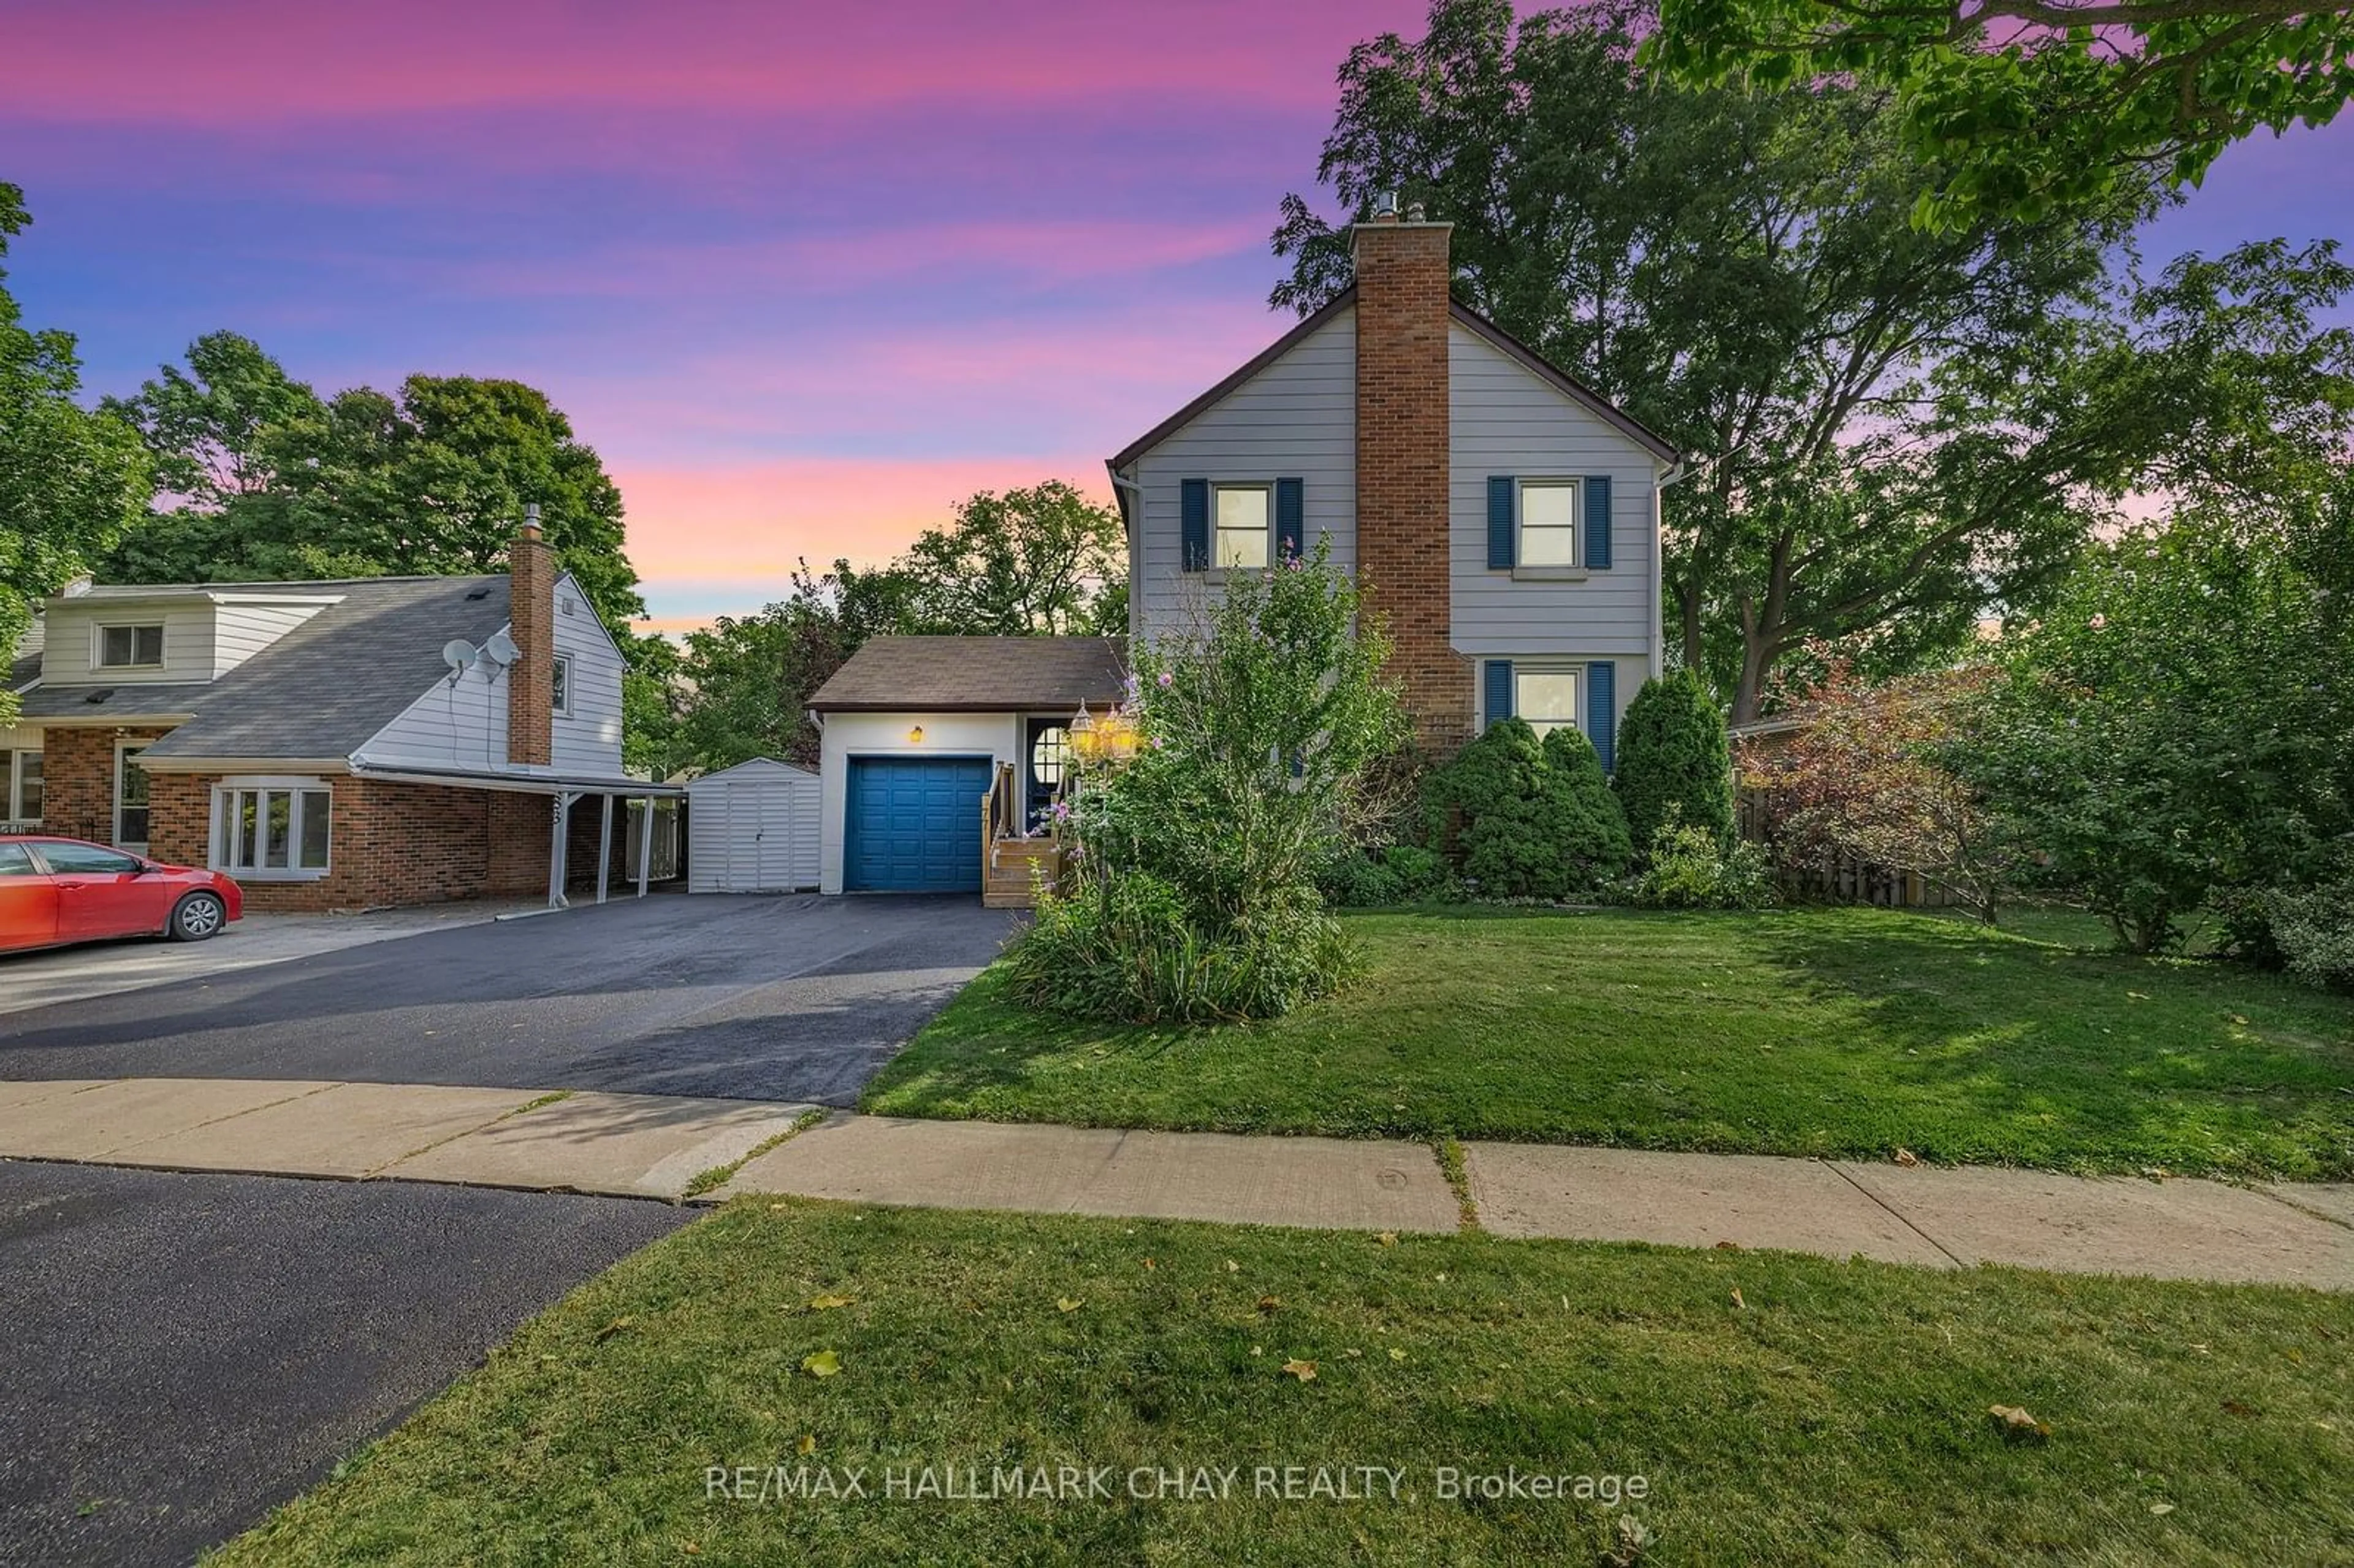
x=805 y=275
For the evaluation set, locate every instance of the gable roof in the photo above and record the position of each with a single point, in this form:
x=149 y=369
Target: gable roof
x=1463 y=315
x=975 y=674
x=322 y=690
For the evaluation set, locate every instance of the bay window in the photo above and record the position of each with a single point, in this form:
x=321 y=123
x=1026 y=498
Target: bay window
x=271 y=827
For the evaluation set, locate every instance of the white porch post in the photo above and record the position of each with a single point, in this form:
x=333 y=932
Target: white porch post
x=557 y=846
x=645 y=843
x=604 y=843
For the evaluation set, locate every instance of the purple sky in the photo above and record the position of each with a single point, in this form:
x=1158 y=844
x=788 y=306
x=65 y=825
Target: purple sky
x=804 y=274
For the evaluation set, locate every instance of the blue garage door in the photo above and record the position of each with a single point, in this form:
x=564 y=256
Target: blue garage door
x=914 y=824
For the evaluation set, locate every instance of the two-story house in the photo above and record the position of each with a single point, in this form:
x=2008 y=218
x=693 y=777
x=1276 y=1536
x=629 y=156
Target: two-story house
x=331 y=745
x=1502 y=517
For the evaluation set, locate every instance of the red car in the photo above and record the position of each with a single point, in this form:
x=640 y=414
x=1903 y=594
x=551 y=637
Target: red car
x=55 y=890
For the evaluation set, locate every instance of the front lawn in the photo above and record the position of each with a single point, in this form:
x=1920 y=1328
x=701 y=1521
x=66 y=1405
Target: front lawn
x=1835 y=1032
x=1778 y=1409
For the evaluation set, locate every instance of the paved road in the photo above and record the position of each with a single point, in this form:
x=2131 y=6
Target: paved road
x=185 y=1351
x=785 y=999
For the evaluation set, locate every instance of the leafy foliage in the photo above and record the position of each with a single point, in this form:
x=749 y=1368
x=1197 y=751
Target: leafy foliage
x=2038 y=104
x=1528 y=818
x=70 y=480
x=2179 y=731
x=1259 y=731
x=1042 y=561
x=1689 y=867
x=1893 y=431
x=2315 y=930
x=1674 y=761
x=1866 y=778
x=1395 y=874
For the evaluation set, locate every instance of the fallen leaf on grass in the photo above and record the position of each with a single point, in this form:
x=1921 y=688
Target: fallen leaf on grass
x=613 y=1327
x=1065 y=1304
x=1270 y=1304
x=1906 y=1157
x=828 y=1303
x=1233 y=1267
x=2161 y=1509
x=1387 y=1238
x=1396 y=1355
x=1352 y=1355
x=1728 y=1246
x=2234 y=1407
x=824 y=1363
x=1304 y=1371
x=807 y=1445
x=1149 y=1264
x=2017 y=1422
x=1737 y=1301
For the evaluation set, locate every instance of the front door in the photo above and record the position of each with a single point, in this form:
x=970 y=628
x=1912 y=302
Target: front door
x=130 y=799
x=1046 y=753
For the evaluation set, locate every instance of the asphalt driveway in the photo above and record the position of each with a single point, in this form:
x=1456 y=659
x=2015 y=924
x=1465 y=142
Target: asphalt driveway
x=788 y=998
x=186 y=1351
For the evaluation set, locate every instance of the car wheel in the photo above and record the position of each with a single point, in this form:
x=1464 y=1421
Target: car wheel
x=198 y=916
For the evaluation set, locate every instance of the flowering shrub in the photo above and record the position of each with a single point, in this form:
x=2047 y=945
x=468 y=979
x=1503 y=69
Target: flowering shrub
x=1258 y=733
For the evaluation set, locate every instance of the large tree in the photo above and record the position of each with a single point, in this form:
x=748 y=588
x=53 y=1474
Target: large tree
x=2030 y=105
x=1042 y=561
x=70 y=479
x=1890 y=431
x=271 y=482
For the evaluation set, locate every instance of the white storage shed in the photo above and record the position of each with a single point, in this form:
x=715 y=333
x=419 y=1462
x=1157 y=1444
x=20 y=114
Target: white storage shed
x=752 y=827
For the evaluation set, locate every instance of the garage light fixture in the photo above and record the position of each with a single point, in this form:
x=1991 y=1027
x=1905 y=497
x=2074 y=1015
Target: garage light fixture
x=916 y=735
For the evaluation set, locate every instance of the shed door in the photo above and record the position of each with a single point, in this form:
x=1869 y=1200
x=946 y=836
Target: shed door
x=914 y=824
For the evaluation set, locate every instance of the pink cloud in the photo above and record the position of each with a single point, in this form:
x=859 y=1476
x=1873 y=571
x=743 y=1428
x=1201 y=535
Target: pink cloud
x=235 y=64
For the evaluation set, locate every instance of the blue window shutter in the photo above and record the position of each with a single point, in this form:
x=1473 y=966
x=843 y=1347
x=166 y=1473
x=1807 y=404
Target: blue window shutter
x=1602 y=710
x=1598 y=532
x=1499 y=522
x=1290 y=519
x=1193 y=506
x=1498 y=676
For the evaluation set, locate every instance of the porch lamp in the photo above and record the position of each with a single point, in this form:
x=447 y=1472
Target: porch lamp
x=1118 y=736
x=1085 y=744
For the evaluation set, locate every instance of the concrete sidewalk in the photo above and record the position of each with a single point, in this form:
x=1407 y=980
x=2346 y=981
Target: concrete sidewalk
x=639 y=1146
x=661 y=1147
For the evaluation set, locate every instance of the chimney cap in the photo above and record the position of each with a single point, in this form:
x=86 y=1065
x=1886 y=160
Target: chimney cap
x=1385 y=207
x=530 y=529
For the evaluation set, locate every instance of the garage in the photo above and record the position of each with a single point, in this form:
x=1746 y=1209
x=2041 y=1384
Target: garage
x=753 y=828
x=914 y=824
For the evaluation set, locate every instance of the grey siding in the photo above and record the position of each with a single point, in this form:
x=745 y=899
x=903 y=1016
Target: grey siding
x=1505 y=419
x=1297 y=419
x=589 y=739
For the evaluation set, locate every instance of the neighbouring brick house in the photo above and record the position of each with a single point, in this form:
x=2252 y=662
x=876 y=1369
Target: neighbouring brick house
x=1502 y=516
x=332 y=744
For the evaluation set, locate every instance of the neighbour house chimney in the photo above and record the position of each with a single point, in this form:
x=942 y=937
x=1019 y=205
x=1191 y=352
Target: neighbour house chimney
x=1402 y=463
x=531 y=617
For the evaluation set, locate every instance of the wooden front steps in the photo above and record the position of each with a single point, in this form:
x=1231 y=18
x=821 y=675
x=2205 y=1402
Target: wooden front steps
x=1008 y=878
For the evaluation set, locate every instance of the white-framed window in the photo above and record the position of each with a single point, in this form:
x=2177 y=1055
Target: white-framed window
x=559 y=686
x=20 y=786
x=129 y=797
x=129 y=647
x=1545 y=695
x=272 y=829
x=1242 y=526
x=1549 y=509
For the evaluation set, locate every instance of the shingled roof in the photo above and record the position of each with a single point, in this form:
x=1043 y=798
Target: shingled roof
x=326 y=688
x=975 y=674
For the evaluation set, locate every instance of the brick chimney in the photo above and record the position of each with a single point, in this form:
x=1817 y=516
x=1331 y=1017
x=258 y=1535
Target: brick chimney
x=1403 y=464
x=531 y=617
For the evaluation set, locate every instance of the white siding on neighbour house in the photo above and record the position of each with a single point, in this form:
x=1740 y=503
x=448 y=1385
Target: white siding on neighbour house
x=241 y=631
x=1506 y=420
x=463 y=723
x=1297 y=419
x=589 y=739
x=69 y=656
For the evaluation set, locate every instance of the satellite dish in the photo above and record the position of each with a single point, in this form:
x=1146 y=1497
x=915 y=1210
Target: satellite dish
x=460 y=655
x=501 y=649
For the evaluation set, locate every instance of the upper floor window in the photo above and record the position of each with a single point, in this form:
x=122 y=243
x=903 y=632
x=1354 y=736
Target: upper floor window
x=560 y=685
x=1549 y=522
x=1244 y=518
x=129 y=647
